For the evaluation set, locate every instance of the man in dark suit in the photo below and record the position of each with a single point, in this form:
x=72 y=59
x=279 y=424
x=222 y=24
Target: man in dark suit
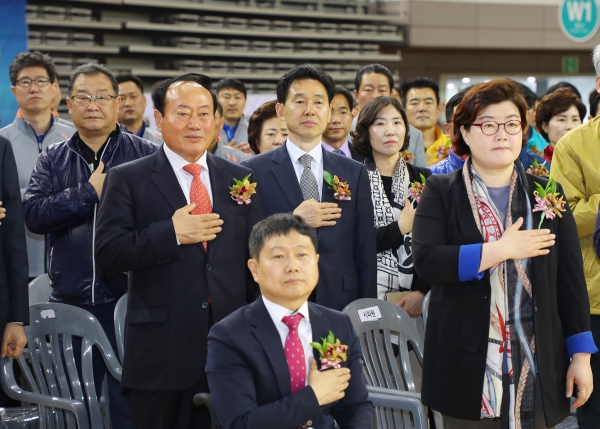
x=170 y=221
x=293 y=176
x=335 y=137
x=261 y=367
x=14 y=305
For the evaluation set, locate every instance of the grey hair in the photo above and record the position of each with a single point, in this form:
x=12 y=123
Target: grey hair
x=596 y=59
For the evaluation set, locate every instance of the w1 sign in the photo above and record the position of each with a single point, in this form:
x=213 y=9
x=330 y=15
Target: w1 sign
x=578 y=19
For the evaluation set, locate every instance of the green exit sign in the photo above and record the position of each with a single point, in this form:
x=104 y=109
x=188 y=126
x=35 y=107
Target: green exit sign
x=570 y=64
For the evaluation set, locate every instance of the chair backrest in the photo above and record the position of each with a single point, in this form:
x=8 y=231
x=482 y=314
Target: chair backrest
x=120 y=313
x=39 y=289
x=384 y=330
x=51 y=368
x=425 y=310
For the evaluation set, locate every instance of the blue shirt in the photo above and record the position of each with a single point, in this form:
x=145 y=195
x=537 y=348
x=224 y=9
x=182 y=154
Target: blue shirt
x=230 y=131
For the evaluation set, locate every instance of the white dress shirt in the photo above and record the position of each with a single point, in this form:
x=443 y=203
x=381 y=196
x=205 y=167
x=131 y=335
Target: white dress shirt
x=277 y=312
x=316 y=165
x=183 y=177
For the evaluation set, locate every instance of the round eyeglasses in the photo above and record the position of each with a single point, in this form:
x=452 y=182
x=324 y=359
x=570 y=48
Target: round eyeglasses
x=26 y=83
x=101 y=99
x=489 y=128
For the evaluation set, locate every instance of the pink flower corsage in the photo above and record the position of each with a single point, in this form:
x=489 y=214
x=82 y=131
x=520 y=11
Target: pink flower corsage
x=242 y=191
x=548 y=201
x=332 y=353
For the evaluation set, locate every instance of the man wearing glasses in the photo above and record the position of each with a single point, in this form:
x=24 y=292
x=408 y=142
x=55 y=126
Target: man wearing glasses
x=62 y=199
x=33 y=130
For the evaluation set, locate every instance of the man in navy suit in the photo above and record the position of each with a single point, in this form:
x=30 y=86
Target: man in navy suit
x=261 y=368
x=187 y=268
x=293 y=178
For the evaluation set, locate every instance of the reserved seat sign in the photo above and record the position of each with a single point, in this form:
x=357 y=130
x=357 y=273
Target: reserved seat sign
x=369 y=314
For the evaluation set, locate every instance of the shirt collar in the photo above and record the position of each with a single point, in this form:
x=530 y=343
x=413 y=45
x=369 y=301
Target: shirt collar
x=345 y=147
x=177 y=162
x=295 y=152
x=277 y=312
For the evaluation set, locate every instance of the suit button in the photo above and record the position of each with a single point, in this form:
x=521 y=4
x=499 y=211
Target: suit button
x=535 y=309
x=208 y=267
x=205 y=305
x=309 y=423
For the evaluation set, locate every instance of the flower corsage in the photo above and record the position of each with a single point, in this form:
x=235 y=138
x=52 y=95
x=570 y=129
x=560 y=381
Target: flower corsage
x=242 y=191
x=341 y=189
x=331 y=352
x=548 y=201
x=538 y=169
x=408 y=156
x=416 y=189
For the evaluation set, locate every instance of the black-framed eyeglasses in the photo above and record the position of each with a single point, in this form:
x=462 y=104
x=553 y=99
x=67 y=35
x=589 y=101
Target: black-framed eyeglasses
x=101 y=99
x=26 y=83
x=489 y=128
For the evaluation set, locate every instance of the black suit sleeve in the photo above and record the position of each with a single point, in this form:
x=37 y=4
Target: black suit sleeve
x=119 y=245
x=14 y=250
x=365 y=248
x=255 y=215
x=388 y=237
x=233 y=389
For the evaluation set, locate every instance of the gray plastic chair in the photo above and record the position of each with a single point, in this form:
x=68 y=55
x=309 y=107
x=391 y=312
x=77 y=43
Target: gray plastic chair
x=389 y=379
x=52 y=375
x=120 y=313
x=39 y=289
x=425 y=310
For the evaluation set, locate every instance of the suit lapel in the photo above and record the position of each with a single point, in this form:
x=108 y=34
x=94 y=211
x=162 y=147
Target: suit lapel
x=331 y=165
x=320 y=328
x=286 y=176
x=165 y=180
x=265 y=332
x=467 y=223
x=219 y=184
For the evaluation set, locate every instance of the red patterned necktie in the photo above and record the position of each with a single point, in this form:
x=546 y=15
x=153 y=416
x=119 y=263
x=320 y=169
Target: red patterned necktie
x=294 y=353
x=198 y=193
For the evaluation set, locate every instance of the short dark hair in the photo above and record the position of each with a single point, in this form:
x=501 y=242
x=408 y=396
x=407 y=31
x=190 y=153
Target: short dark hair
x=478 y=99
x=265 y=112
x=304 y=72
x=528 y=95
x=219 y=108
x=594 y=100
x=93 y=69
x=373 y=68
x=563 y=84
x=554 y=104
x=340 y=90
x=230 y=83
x=453 y=102
x=419 y=82
x=32 y=59
x=277 y=225
x=125 y=76
x=158 y=96
x=367 y=116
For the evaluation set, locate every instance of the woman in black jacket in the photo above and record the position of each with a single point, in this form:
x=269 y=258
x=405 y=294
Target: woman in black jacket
x=381 y=134
x=509 y=303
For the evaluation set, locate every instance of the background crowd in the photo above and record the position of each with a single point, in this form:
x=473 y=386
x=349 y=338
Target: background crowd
x=111 y=206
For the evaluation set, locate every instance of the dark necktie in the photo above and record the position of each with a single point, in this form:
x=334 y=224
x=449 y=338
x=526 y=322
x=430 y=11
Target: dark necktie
x=339 y=152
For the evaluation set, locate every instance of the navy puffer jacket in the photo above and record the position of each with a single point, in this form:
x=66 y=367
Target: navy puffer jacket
x=61 y=203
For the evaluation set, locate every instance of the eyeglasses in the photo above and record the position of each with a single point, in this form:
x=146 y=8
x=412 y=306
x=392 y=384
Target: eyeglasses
x=101 y=99
x=489 y=128
x=26 y=83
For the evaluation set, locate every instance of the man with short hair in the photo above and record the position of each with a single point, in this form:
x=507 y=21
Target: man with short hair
x=62 y=201
x=295 y=175
x=231 y=93
x=421 y=99
x=132 y=107
x=217 y=147
x=286 y=389
x=335 y=136
x=34 y=129
x=171 y=222
x=375 y=80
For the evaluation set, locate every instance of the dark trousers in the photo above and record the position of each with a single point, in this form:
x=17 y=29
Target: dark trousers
x=118 y=397
x=588 y=415
x=170 y=409
x=502 y=422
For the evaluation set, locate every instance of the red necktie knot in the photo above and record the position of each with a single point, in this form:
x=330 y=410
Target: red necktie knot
x=193 y=169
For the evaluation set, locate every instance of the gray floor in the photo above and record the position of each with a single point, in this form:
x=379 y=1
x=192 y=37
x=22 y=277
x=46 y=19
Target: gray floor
x=569 y=423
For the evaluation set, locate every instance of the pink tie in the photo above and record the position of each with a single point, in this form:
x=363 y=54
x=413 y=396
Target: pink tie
x=198 y=193
x=294 y=353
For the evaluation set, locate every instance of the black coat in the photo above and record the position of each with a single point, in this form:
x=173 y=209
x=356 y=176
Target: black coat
x=459 y=312
x=169 y=285
x=14 y=269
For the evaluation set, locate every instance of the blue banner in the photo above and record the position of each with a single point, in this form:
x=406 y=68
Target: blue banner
x=13 y=41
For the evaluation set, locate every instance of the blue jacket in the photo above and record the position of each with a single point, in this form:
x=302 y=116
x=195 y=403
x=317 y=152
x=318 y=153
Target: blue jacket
x=448 y=165
x=61 y=202
x=527 y=156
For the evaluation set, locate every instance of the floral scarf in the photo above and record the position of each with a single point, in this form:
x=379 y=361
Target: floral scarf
x=392 y=273
x=511 y=331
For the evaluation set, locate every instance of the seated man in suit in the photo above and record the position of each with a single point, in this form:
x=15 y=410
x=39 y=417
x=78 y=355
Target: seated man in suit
x=294 y=177
x=261 y=367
